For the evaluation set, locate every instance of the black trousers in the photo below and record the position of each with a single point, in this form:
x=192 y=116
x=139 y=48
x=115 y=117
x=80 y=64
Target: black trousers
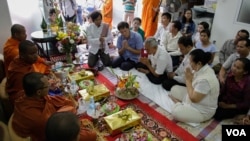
x=93 y=58
x=169 y=83
x=222 y=113
x=151 y=77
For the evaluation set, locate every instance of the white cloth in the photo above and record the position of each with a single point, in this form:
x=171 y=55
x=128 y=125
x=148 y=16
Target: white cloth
x=180 y=71
x=205 y=82
x=161 y=61
x=152 y=91
x=170 y=43
x=93 y=36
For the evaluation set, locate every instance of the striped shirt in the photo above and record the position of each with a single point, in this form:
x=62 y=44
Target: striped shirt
x=129 y=5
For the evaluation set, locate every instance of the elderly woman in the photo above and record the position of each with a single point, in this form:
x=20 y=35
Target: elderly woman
x=235 y=94
x=197 y=102
x=158 y=62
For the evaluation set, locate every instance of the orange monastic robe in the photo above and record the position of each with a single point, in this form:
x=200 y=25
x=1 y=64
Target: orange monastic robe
x=31 y=115
x=148 y=14
x=107 y=12
x=10 y=51
x=17 y=69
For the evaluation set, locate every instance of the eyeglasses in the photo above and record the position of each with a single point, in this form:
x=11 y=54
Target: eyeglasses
x=44 y=87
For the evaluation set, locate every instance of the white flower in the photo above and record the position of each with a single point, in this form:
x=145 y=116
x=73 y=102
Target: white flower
x=71 y=41
x=60 y=49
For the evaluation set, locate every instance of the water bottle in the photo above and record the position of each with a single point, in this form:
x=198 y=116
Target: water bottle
x=73 y=87
x=91 y=110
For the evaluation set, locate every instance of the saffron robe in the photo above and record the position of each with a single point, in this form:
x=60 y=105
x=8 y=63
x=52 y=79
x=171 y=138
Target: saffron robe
x=11 y=50
x=107 y=12
x=31 y=115
x=17 y=69
x=148 y=14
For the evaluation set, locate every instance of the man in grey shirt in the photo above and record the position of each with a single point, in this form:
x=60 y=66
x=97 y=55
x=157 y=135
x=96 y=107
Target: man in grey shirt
x=229 y=47
x=243 y=51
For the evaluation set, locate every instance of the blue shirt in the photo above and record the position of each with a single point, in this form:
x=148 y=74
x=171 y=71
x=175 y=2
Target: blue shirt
x=134 y=41
x=211 y=48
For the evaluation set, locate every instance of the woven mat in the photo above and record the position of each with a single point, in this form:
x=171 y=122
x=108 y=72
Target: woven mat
x=158 y=129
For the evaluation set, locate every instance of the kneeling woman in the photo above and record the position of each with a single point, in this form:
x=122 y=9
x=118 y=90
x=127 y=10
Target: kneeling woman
x=235 y=94
x=197 y=102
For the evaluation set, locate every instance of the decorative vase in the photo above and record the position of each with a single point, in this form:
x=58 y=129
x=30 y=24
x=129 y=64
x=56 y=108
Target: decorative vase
x=44 y=25
x=69 y=58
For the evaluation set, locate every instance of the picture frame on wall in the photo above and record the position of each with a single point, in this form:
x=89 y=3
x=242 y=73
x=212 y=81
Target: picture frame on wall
x=242 y=13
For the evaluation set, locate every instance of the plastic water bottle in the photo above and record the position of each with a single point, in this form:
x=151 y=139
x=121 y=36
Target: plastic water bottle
x=91 y=110
x=73 y=87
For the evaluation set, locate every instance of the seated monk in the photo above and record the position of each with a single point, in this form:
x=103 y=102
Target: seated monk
x=63 y=126
x=20 y=66
x=32 y=112
x=10 y=50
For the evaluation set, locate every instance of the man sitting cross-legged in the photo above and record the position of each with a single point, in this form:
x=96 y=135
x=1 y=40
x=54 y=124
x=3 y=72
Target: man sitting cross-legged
x=31 y=113
x=157 y=63
x=20 y=66
x=129 y=45
x=178 y=76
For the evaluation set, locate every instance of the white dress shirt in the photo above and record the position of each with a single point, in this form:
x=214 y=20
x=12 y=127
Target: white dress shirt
x=159 y=33
x=93 y=38
x=161 y=61
x=170 y=43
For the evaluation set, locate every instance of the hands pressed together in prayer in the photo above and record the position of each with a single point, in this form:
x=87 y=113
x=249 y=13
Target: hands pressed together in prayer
x=188 y=74
x=146 y=62
x=125 y=44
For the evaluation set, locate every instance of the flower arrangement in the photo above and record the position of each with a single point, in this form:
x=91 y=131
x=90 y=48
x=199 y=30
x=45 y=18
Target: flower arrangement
x=127 y=86
x=68 y=39
x=127 y=81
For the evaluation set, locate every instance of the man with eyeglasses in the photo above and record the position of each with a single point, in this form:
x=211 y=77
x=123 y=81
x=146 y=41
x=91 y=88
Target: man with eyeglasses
x=33 y=111
x=157 y=64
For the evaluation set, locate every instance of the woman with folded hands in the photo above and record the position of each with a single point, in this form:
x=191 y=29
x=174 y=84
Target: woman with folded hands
x=197 y=102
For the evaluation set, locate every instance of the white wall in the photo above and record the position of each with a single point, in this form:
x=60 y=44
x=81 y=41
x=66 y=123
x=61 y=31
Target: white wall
x=5 y=23
x=26 y=13
x=224 y=23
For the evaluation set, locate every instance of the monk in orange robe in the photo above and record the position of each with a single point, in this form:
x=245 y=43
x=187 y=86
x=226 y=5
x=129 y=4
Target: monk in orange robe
x=149 y=9
x=107 y=12
x=10 y=50
x=32 y=111
x=20 y=66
